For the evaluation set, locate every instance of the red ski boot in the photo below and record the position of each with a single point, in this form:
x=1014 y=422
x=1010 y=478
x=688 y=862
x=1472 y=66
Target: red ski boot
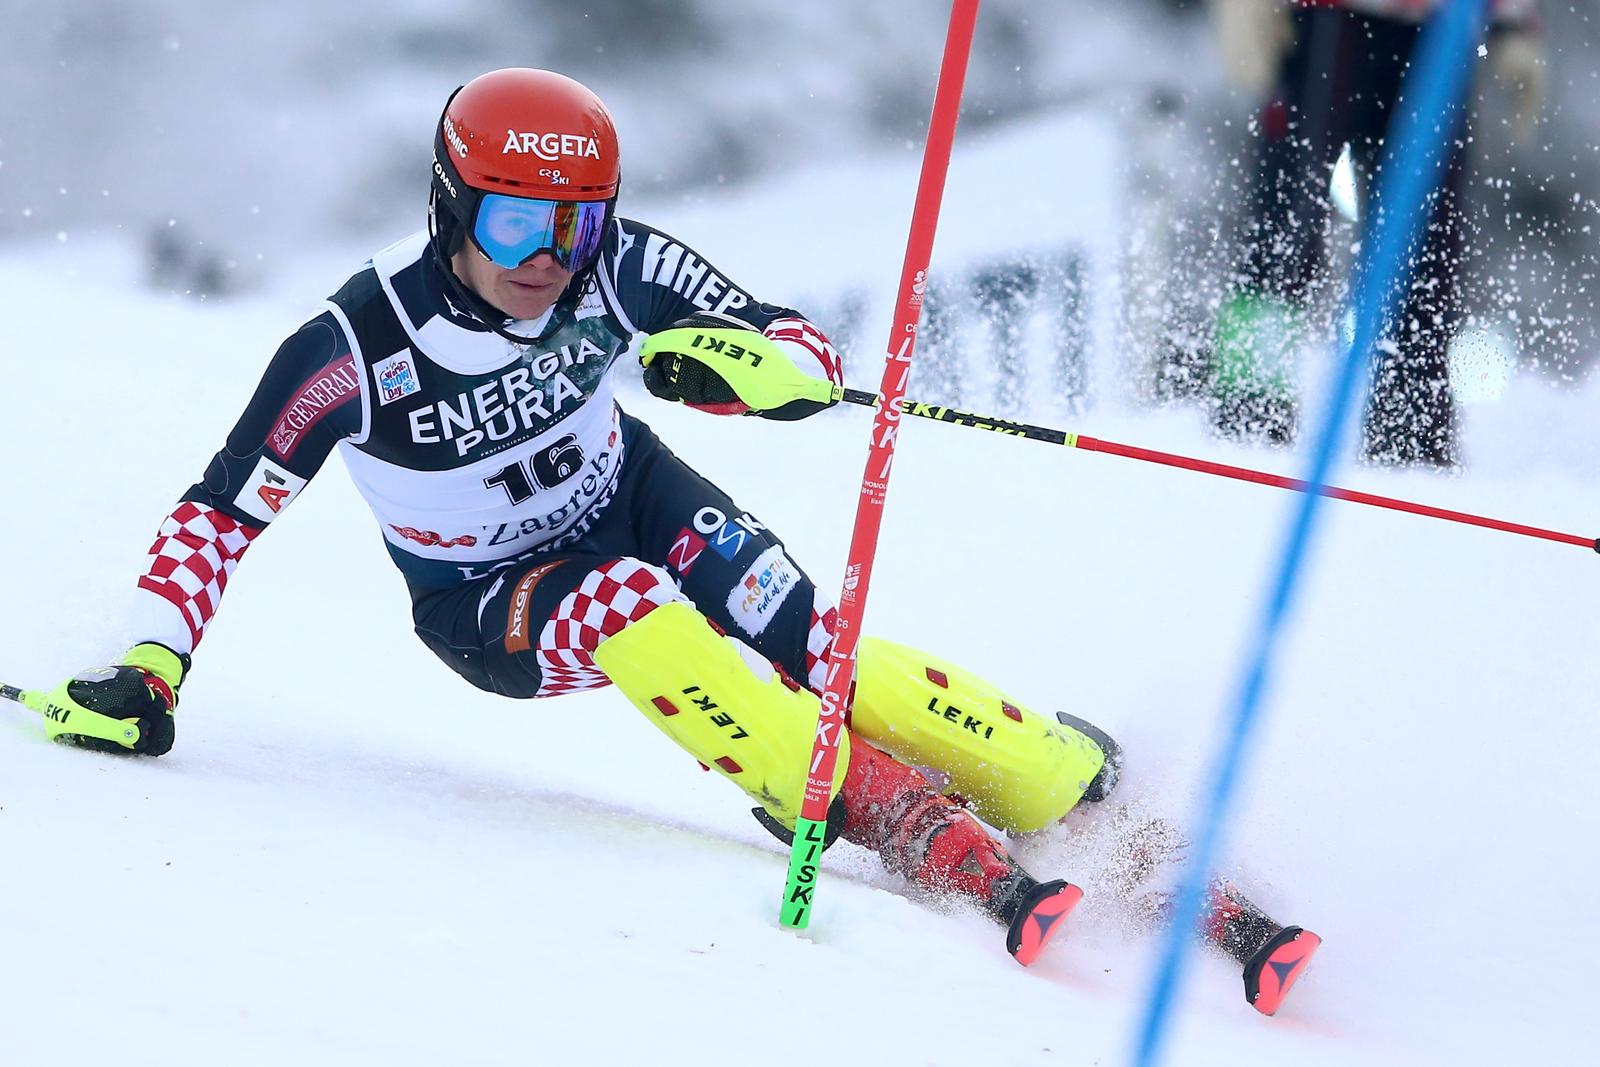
x=1273 y=956
x=939 y=845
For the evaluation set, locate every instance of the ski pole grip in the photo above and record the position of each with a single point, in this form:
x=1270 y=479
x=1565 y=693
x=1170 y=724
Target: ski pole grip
x=855 y=396
x=27 y=698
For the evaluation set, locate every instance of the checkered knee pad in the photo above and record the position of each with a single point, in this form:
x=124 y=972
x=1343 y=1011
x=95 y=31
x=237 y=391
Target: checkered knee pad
x=819 y=642
x=610 y=597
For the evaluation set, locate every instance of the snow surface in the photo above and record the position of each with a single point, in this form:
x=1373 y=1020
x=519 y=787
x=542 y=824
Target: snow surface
x=353 y=857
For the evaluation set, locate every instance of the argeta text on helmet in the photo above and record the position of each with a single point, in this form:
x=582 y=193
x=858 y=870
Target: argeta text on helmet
x=551 y=146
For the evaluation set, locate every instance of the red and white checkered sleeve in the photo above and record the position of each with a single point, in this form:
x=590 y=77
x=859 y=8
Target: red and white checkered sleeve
x=808 y=346
x=194 y=554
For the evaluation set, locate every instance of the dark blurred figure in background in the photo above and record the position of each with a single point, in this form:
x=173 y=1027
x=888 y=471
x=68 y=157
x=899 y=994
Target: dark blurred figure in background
x=1328 y=73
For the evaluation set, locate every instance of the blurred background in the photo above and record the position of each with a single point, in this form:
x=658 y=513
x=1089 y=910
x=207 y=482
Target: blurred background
x=1091 y=248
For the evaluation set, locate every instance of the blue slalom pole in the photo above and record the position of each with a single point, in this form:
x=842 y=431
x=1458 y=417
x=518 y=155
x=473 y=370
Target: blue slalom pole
x=1414 y=160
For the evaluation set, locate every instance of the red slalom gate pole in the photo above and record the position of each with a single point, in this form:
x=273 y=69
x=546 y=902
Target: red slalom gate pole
x=811 y=825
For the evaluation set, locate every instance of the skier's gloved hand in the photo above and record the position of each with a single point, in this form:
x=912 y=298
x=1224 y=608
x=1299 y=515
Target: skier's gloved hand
x=673 y=375
x=724 y=366
x=122 y=708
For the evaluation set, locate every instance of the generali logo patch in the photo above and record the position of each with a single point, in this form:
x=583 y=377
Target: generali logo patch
x=518 y=637
x=330 y=388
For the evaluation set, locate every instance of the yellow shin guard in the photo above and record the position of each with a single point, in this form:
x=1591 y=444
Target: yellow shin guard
x=1019 y=770
x=722 y=702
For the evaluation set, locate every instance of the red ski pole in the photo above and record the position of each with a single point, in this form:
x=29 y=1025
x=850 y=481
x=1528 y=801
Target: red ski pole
x=812 y=822
x=940 y=413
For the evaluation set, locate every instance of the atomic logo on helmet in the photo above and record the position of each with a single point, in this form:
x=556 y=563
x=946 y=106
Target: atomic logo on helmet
x=455 y=138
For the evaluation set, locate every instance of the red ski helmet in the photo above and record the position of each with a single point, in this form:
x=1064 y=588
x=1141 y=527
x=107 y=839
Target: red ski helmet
x=530 y=134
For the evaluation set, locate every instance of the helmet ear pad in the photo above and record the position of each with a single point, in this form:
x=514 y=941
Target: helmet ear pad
x=449 y=235
x=451 y=201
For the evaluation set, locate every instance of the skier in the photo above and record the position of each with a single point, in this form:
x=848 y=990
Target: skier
x=551 y=543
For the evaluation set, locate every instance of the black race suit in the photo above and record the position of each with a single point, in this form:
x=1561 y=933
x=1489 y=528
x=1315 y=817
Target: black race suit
x=531 y=517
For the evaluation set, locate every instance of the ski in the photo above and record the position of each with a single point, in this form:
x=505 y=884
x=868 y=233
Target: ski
x=1276 y=966
x=1038 y=918
x=1273 y=956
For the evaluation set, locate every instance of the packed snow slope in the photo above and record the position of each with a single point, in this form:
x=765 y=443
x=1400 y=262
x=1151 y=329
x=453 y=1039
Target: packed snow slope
x=353 y=857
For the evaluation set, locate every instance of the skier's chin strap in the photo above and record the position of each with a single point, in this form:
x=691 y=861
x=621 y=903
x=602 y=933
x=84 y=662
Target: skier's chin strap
x=493 y=317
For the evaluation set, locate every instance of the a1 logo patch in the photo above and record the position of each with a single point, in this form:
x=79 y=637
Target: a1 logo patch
x=268 y=490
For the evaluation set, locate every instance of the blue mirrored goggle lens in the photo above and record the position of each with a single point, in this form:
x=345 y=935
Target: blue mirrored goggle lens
x=512 y=230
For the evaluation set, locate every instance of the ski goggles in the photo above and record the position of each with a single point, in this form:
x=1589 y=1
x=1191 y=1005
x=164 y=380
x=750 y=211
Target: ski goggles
x=511 y=230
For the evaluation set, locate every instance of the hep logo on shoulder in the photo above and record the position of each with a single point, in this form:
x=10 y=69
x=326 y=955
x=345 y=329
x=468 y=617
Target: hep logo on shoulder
x=396 y=377
x=727 y=538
